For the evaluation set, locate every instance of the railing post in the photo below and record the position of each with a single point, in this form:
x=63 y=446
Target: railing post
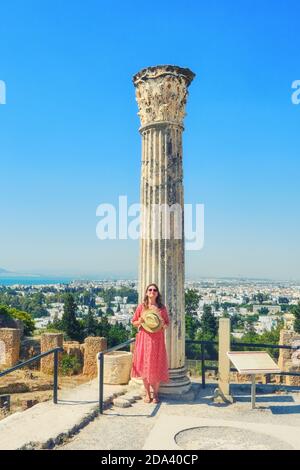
x=202 y=364
x=101 y=376
x=55 y=376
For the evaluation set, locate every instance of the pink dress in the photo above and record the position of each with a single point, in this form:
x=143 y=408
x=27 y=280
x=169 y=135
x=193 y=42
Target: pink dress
x=150 y=359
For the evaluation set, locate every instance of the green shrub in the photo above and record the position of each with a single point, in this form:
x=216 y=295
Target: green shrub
x=48 y=329
x=25 y=317
x=70 y=365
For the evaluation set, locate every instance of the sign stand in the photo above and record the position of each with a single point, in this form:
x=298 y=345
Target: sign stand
x=252 y=363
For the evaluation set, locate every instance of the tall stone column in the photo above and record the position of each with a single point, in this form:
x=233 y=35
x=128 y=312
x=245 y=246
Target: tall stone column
x=161 y=94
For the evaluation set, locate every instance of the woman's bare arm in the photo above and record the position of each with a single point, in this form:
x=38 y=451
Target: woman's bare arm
x=138 y=322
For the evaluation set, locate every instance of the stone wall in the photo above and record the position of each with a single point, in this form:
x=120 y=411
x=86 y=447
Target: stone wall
x=9 y=346
x=287 y=358
x=85 y=353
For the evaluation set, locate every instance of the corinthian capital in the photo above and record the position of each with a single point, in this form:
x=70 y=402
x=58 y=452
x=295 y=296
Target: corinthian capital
x=161 y=93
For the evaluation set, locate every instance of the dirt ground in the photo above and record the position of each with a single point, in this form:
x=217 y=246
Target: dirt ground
x=29 y=387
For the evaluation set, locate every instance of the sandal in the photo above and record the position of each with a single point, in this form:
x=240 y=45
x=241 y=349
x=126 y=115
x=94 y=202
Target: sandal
x=147 y=399
x=156 y=400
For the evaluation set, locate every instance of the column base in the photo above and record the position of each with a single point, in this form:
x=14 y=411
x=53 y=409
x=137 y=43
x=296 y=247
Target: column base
x=179 y=387
x=135 y=383
x=179 y=384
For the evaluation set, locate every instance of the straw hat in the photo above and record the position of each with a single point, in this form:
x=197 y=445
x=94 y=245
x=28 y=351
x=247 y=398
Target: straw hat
x=152 y=320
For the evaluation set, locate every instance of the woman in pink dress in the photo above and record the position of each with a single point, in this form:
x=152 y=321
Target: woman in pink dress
x=150 y=361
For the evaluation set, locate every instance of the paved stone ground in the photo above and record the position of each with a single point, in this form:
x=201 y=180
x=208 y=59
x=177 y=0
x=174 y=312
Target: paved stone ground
x=135 y=427
x=116 y=429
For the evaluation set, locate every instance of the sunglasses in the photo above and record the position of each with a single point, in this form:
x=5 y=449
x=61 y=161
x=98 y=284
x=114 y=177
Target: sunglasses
x=152 y=290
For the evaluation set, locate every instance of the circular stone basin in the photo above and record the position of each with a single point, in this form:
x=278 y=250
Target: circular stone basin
x=227 y=438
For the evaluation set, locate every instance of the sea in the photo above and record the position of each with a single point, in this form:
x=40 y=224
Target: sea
x=32 y=281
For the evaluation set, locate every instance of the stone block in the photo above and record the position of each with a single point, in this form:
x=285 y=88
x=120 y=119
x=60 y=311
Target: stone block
x=117 y=367
x=134 y=396
x=9 y=346
x=121 y=403
x=129 y=398
x=50 y=341
x=92 y=346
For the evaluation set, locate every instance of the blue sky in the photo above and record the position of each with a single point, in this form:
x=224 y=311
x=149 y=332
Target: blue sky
x=69 y=132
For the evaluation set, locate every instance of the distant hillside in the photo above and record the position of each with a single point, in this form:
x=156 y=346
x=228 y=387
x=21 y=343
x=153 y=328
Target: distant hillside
x=4 y=274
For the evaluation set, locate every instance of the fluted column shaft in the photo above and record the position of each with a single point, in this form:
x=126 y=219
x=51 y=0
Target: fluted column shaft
x=162 y=258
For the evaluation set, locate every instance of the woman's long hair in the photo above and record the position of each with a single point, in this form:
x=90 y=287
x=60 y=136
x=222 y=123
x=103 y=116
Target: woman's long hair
x=158 y=298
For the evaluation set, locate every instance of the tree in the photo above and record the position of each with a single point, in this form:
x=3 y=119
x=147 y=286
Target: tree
x=109 y=311
x=90 y=324
x=236 y=321
x=296 y=311
x=103 y=327
x=117 y=334
x=192 y=323
x=209 y=326
x=263 y=311
x=109 y=294
x=100 y=313
x=69 y=322
x=12 y=313
x=250 y=335
x=260 y=297
x=192 y=298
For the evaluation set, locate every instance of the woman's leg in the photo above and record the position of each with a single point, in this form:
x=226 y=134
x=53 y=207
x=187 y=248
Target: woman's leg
x=155 y=387
x=147 y=398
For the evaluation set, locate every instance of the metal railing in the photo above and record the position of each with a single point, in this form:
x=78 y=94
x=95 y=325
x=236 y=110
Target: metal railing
x=101 y=368
x=204 y=367
x=55 y=352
